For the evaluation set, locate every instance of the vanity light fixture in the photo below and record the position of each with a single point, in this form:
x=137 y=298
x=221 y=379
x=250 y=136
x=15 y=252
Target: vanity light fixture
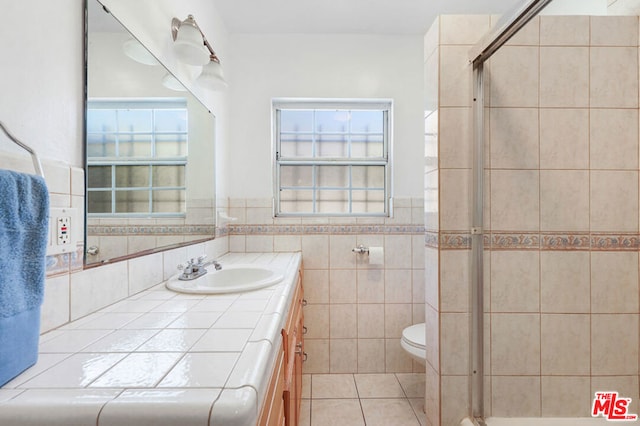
x=136 y=51
x=170 y=82
x=189 y=42
x=211 y=77
x=193 y=48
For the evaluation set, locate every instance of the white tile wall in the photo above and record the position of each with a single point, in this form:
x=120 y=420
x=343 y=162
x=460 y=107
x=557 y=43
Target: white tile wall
x=356 y=310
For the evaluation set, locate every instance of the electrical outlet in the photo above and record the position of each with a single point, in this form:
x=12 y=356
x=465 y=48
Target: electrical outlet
x=63 y=235
x=63 y=229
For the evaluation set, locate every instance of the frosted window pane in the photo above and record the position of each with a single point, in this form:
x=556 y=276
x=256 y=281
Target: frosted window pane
x=170 y=150
x=296 y=201
x=171 y=120
x=101 y=145
x=168 y=201
x=334 y=146
x=135 y=146
x=101 y=121
x=99 y=201
x=367 y=121
x=296 y=176
x=296 y=195
x=99 y=177
x=332 y=121
x=168 y=176
x=135 y=120
x=332 y=201
x=297 y=145
x=368 y=176
x=132 y=201
x=368 y=207
x=333 y=176
x=369 y=146
x=370 y=195
x=368 y=201
x=132 y=176
x=296 y=121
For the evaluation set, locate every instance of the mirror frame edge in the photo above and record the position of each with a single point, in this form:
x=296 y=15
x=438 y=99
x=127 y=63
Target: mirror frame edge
x=85 y=90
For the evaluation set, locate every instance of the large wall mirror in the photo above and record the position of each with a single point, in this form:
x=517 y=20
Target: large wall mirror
x=150 y=148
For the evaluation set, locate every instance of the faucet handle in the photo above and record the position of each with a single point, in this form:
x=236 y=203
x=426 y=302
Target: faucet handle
x=188 y=264
x=201 y=258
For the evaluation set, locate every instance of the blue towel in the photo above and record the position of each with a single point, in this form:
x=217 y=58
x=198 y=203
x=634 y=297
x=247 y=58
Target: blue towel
x=24 y=224
x=24 y=227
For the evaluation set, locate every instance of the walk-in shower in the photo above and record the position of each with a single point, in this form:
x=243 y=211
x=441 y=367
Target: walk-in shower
x=554 y=218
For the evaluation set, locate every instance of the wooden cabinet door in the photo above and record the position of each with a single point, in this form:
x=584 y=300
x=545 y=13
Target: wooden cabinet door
x=297 y=369
x=284 y=394
x=295 y=351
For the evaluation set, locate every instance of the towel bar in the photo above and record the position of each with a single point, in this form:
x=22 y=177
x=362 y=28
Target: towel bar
x=34 y=156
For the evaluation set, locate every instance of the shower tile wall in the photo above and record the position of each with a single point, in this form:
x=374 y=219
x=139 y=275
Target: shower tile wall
x=356 y=311
x=563 y=173
x=432 y=224
x=447 y=188
x=561 y=214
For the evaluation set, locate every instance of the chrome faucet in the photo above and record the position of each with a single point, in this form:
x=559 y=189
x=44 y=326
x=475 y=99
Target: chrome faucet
x=215 y=264
x=195 y=268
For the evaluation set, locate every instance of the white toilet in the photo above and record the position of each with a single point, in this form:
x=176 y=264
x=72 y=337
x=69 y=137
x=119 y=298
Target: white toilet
x=413 y=341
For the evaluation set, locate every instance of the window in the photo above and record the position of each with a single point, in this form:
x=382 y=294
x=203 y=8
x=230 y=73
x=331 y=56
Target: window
x=332 y=157
x=136 y=157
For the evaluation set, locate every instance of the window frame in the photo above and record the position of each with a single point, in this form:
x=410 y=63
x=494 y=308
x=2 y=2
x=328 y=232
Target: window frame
x=150 y=161
x=384 y=105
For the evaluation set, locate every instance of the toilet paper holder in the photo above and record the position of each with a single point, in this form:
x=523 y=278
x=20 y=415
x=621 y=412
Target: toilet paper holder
x=361 y=249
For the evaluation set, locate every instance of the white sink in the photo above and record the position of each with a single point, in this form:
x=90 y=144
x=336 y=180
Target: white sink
x=229 y=279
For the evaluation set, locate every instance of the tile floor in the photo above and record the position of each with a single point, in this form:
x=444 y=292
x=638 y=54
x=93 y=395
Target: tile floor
x=363 y=399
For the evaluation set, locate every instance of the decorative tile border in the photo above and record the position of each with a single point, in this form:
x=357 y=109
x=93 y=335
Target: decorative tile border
x=232 y=229
x=64 y=263
x=58 y=264
x=455 y=241
x=615 y=242
x=515 y=241
x=325 y=229
x=431 y=240
x=565 y=241
x=146 y=230
x=537 y=241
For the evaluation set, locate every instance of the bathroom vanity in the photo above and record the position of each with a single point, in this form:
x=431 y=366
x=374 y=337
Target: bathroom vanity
x=284 y=394
x=165 y=358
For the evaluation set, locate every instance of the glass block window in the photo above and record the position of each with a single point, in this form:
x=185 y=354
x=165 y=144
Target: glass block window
x=136 y=157
x=332 y=157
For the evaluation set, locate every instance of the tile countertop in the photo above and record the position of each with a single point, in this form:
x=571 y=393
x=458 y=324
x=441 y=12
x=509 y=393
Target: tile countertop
x=159 y=358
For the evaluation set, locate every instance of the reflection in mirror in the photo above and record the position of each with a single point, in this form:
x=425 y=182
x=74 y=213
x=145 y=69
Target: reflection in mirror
x=149 y=146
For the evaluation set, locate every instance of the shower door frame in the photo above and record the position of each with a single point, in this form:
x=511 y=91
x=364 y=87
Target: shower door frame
x=480 y=53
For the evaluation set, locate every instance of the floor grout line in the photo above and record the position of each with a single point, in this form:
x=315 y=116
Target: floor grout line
x=415 y=416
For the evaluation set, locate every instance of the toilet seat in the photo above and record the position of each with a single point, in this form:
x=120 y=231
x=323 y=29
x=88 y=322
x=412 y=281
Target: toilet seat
x=413 y=341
